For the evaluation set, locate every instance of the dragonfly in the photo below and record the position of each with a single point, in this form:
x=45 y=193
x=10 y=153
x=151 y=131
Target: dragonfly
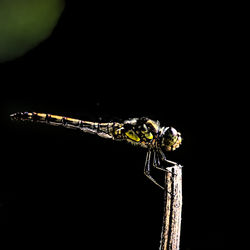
x=143 y=132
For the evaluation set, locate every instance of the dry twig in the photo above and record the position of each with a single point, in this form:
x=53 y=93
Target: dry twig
x=170 y=236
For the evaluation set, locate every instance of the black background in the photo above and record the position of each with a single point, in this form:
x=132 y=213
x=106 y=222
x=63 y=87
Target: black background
x=102 y=63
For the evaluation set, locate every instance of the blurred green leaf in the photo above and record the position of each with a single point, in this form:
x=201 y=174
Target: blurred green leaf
x=25 y=23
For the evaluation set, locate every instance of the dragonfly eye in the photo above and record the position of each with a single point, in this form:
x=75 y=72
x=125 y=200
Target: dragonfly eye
x=171 y=132
x=171 y=139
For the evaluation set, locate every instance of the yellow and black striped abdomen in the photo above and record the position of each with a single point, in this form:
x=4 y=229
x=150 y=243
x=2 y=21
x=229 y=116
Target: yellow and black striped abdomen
x=46 y=118
x=105 y=130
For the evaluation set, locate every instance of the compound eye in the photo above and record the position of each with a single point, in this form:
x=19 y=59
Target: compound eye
x=171 y=132
x=170 y=136
x=171 y=139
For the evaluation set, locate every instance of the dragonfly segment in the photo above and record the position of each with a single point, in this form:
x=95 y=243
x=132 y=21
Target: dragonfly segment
x=142 y=131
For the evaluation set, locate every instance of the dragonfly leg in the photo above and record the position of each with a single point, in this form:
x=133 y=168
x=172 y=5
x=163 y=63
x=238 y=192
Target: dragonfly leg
x=157 y=163
x=147 y=169
x=163 y=157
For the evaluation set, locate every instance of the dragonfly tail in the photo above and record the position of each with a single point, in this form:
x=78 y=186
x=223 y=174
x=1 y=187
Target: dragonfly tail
x=102 y=129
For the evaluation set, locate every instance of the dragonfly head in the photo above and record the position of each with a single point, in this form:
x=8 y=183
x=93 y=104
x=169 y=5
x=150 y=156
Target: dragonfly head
x=170 y=138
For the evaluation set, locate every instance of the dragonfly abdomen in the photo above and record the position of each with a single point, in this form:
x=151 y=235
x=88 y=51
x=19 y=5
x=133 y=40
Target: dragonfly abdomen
x=106 y=130
x=46 y=118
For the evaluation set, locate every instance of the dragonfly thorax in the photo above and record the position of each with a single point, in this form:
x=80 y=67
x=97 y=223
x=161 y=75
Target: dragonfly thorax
x=170 y=138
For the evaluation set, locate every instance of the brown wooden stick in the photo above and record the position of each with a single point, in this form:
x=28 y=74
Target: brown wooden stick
x=170 y=235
